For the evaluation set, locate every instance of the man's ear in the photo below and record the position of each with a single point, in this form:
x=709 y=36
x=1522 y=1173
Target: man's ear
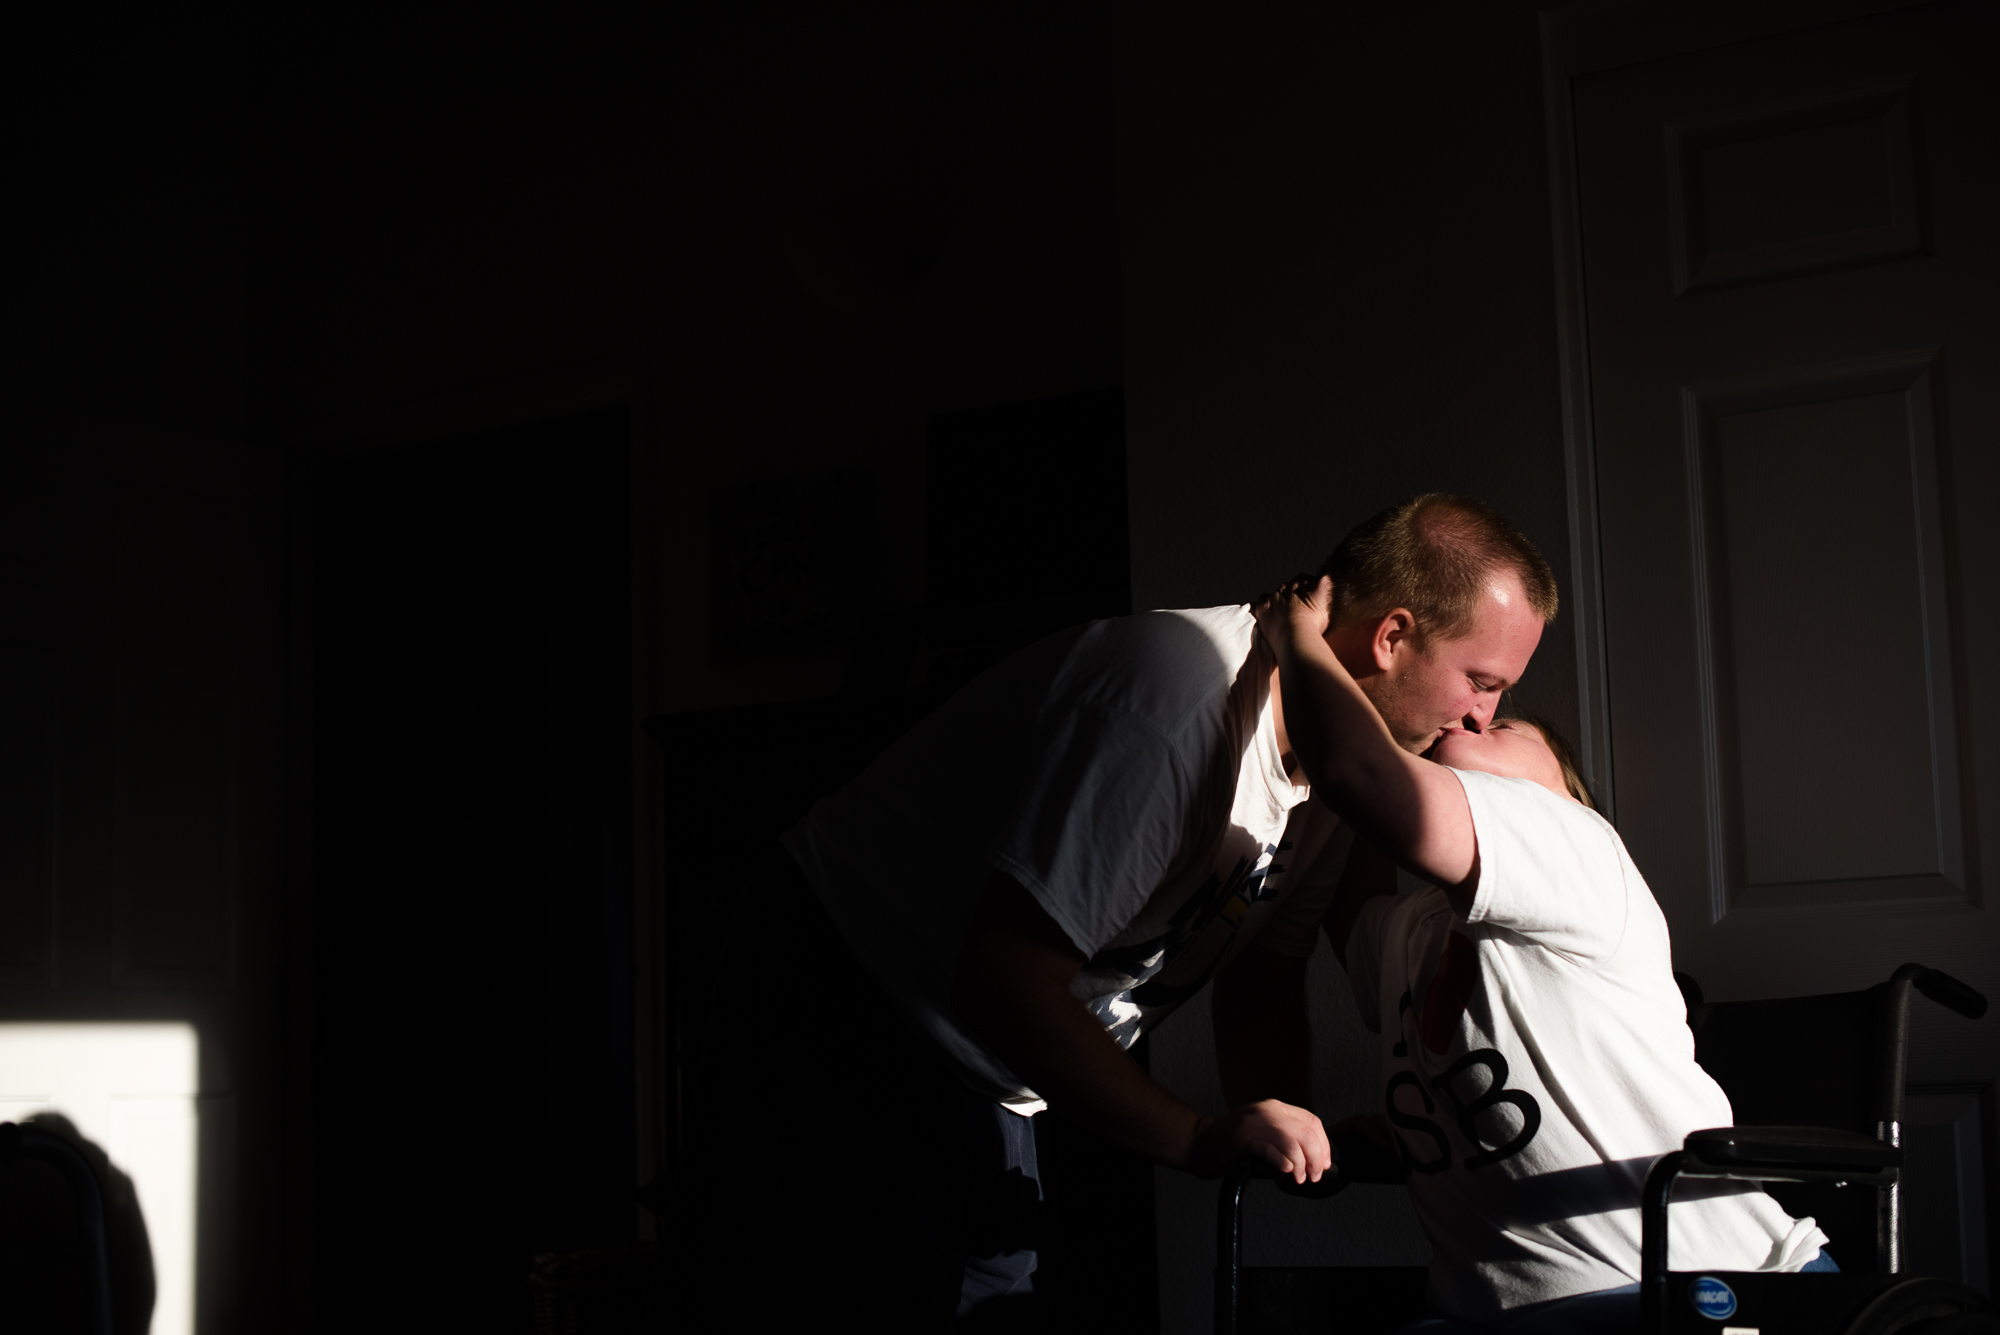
x=1394 y=630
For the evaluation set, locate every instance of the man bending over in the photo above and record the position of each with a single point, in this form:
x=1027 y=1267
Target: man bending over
x=1043 y=870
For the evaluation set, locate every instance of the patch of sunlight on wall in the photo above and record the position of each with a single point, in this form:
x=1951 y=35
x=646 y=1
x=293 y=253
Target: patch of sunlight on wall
x=130 y=1088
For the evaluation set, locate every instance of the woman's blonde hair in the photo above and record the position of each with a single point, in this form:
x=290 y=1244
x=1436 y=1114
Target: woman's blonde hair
x=1559 y=746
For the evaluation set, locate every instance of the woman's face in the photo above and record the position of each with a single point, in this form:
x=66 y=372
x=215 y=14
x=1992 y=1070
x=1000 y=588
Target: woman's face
x=1509 y=748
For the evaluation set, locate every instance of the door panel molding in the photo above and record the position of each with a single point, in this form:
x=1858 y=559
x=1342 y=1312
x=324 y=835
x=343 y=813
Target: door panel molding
x=1701 y=261
x=1585 y=597
x=1949 y=1163
x=1581 y=39
x=1595 y=35
x=1844 y=579
x=1732 y=884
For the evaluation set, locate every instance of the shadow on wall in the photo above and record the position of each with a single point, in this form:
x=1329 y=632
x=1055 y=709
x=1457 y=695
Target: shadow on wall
x=37 y=1204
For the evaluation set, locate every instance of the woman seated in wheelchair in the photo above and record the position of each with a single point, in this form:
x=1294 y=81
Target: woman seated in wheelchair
x=1536 y=1057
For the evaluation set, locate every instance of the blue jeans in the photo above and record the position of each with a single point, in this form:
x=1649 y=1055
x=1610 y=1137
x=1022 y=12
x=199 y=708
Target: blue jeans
x=891 y=1189
x=999 y=1148
x=1606 y=1312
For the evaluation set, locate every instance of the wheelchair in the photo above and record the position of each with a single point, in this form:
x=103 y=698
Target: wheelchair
x=1822 y=1132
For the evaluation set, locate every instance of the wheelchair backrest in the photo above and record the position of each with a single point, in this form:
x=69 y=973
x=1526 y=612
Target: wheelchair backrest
x=1834 y=1060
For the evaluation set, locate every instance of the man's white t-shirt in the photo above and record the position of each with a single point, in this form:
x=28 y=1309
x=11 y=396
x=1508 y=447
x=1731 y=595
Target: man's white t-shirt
x=1127 y=774
x=1536 y=1059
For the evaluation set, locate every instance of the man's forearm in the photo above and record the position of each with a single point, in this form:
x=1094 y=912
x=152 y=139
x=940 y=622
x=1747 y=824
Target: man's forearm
x=1012 y=990
x=1067 y=1058
x=1014 y=995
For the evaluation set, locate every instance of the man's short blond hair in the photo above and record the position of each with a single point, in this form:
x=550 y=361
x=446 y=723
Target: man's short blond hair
x=1434 y=554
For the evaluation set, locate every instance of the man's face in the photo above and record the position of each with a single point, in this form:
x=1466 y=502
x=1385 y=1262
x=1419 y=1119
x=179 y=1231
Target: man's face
x=1430 y=684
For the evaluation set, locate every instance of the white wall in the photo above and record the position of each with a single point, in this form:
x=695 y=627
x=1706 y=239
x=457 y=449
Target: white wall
x=131 y=1091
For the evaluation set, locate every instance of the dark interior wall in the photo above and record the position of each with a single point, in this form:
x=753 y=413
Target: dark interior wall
x=786 y=239
x=890 y=217
x=1338 y=287
x=789 y=237
x=1338 y=291
x=443 y=208
x=142 y=590
x=127 y=280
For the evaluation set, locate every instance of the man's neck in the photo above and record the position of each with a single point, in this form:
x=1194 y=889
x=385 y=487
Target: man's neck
x=1285 y=756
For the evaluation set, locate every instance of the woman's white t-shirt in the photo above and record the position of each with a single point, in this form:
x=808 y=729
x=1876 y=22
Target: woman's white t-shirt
x=1536 y=1060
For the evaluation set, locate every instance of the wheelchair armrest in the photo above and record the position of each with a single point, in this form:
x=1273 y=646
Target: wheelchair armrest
x=1788 y=1149
x=1750 y=1154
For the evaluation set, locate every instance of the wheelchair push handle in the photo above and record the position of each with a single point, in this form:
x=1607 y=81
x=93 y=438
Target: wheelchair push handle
x=1945 y=990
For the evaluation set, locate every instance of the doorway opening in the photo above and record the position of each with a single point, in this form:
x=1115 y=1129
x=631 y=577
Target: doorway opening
x=472 y=1047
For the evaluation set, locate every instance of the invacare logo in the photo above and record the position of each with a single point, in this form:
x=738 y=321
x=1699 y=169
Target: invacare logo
x=1712 y=1298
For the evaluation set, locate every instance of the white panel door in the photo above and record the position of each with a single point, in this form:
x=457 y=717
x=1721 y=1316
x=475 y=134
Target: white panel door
x=1791 y=259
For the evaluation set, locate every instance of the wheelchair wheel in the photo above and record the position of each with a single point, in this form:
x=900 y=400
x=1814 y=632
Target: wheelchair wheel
x=1965 y=1323
x=1925 y=1307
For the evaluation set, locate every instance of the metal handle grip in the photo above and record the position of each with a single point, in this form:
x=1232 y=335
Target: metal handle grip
x=1948 y=992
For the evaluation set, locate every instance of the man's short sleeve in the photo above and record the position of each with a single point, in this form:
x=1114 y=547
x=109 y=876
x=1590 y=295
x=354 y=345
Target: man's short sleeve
x=1549 y=868
x=1099 y=821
